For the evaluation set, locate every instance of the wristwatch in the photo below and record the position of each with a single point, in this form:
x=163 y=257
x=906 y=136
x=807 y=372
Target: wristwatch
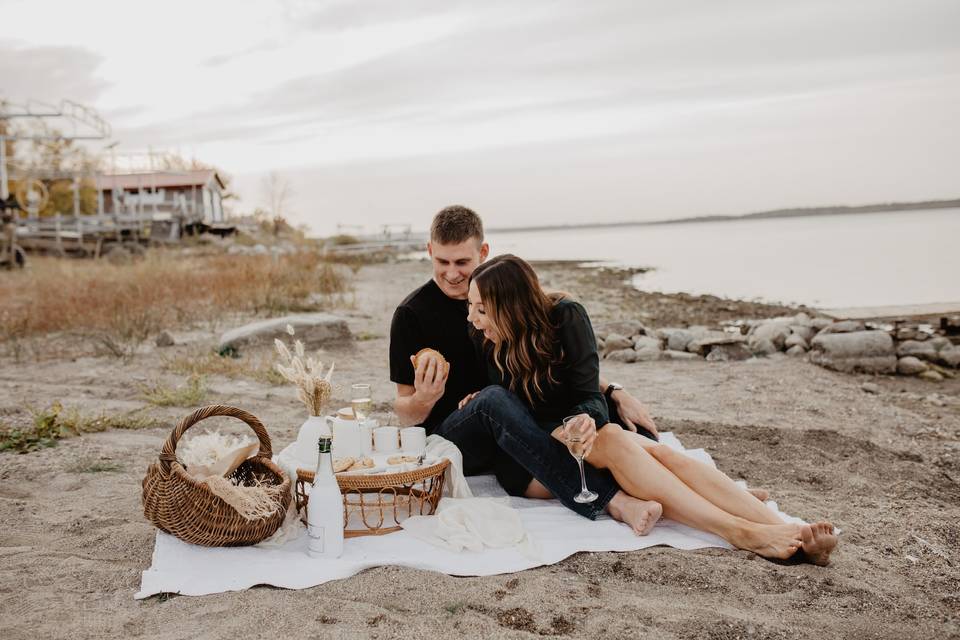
x=613 y=386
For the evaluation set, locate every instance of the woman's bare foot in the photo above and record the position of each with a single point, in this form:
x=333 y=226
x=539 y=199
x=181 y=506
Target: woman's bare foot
x=777 y=541
x=819 y=541
x=760 y=494
x=641 y=515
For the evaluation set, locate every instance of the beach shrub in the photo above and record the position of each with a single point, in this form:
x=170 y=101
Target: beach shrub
x=53 y=423
x=188 y=395
x=119 y=306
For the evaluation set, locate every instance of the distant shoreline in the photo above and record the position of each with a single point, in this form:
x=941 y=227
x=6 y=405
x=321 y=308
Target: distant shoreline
x=774 y=213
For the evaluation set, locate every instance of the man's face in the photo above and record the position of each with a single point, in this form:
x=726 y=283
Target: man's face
x=453 y=264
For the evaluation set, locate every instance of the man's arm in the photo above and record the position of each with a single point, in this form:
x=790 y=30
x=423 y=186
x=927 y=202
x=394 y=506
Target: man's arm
x=630 y=409
x=415 y=402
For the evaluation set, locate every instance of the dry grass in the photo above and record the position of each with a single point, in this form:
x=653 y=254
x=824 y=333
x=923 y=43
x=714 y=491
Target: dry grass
x=54 y=423
x=120 y=306
x=207 y=363
x=190 y=394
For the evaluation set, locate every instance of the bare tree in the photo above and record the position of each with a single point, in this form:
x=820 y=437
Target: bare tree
x=277 y=192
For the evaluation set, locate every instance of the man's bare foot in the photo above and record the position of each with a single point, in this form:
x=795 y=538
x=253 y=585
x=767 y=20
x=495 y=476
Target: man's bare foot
x=819 y=541
x=641 y=515
x=760 y=494
x=777 y=541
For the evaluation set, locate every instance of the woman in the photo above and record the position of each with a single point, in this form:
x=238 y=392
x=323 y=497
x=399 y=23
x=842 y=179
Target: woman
x=542 y=348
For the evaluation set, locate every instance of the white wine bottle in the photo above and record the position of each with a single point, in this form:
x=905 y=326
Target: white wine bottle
x=325 y=509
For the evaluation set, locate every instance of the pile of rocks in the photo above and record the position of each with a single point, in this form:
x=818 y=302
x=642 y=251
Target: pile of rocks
x=847 y=345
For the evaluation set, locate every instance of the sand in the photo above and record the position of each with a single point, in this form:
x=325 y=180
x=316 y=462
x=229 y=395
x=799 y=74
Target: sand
x=882 y=466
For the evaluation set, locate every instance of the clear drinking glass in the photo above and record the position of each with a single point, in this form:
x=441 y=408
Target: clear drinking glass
x=575 y=446
x=361 y=401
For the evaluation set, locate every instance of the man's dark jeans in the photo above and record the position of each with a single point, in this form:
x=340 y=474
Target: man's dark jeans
x=497 y=432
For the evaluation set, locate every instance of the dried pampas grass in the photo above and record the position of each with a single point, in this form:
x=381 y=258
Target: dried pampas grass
x=306 y=373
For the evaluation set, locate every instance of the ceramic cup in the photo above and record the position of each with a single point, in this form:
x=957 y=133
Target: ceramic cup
x=385 y=439
x=413 y=440
x=366 y=437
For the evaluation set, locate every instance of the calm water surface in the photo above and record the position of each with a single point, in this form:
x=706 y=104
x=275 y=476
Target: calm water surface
x=827 y=261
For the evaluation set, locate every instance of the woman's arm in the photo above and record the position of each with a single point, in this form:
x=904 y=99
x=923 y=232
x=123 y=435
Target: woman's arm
x=581 y=363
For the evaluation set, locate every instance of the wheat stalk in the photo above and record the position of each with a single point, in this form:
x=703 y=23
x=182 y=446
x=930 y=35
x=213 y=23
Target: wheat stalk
x=306 y=373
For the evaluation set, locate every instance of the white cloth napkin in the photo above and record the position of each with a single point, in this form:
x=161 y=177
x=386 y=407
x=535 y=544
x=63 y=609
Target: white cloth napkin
x=473 y=524
x=455 y=485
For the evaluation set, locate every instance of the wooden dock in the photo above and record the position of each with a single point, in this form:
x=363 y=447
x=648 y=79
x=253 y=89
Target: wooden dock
x=89 y=234
x=935 y=309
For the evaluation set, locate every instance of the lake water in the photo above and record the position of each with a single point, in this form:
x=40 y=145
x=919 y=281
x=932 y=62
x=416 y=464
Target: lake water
x=850 y=260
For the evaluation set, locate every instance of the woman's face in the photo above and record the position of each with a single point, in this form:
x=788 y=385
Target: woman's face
x=478 y=316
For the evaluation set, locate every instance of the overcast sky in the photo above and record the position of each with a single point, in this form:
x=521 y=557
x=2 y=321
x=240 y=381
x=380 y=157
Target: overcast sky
x=530 y=112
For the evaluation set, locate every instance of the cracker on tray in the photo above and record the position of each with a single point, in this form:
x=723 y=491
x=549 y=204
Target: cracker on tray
x=361 y=464
x=342 y=464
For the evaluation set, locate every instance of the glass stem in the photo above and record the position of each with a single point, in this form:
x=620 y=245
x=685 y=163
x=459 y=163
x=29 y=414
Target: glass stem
x=583 y=478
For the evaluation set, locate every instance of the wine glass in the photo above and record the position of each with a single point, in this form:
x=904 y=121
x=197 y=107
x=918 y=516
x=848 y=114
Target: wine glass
x=361 y=401
x=575 y=445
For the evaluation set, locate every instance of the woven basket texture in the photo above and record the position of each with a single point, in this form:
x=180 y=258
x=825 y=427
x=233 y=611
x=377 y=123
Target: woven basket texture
x=182 y=506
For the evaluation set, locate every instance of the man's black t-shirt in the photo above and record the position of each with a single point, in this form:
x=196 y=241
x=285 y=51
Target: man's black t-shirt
x=429 y=318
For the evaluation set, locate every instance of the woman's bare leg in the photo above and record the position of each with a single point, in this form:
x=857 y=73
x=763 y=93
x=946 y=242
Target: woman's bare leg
x=714 y=485
x=644 y=477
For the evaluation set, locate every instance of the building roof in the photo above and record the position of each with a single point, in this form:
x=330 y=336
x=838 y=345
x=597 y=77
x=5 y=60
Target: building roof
x=159 y=179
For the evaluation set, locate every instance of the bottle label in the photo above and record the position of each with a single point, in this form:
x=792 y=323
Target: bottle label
x=325 y=445
x=316 y=541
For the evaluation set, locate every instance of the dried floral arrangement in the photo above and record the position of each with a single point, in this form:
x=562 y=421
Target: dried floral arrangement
x=306 y=373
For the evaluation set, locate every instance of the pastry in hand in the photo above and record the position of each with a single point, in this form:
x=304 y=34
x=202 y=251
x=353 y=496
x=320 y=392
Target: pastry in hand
x=441 y=361
x=342 y=464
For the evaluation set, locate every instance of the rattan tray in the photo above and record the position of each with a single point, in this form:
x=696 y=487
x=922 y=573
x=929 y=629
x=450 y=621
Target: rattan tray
x=375 y=504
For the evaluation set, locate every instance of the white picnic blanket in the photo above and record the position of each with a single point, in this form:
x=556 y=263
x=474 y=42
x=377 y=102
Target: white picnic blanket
x=555 y=532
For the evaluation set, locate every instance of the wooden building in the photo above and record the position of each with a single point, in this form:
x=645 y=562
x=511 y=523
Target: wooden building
x=191 y=197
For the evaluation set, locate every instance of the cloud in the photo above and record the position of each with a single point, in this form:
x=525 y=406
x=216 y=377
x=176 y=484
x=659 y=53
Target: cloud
x=50 y=74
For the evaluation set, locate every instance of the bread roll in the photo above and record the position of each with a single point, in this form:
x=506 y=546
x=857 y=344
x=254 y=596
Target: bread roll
x=439 y=356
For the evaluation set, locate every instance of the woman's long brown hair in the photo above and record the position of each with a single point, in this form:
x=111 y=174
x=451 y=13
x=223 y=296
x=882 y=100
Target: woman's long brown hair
x=520 y=310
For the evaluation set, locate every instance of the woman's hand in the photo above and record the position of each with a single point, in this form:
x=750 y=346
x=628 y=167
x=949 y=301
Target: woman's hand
x=466 y=399
x=584 y=427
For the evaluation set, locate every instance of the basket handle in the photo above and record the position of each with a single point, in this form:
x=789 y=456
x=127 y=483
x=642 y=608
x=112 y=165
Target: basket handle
x=168 y=454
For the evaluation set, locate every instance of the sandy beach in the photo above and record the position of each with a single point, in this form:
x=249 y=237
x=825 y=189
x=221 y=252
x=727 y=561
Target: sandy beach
x=884 y=467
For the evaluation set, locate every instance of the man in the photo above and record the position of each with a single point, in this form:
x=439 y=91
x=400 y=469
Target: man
x=495 y=421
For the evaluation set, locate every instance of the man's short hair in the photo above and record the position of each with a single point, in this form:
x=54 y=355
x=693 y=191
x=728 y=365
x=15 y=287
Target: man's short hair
x=456 y=224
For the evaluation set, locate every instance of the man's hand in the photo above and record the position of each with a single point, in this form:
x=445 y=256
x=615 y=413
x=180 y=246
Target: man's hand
x=633 y=412
x=430 y=379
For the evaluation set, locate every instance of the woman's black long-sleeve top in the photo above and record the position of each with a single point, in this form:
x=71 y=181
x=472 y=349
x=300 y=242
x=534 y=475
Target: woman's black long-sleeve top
x=578 y=376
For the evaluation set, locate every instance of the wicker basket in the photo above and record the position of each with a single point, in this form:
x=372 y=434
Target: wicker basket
x=376 y=504
x=179 y=504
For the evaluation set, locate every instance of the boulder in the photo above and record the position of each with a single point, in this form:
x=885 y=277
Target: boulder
x=844 y=326
x=870 y=387
x=727 y=352
x=704 y=343
x=671 y=354
x=761 y=347
x=940 y=342
x=616 y=342
x=622 y=327
x=805 y=332
x=774 y=331
x=622 y=355
x=866 y=351
x=819 y=324
x=676 y=339
x=164 y=339
x=645 y=343
x=949 y=356
x=796 y=351
x=907 y=333
x=647 y=355
x=911 y=366
x=313 y=329
x=932 y=376
x=922 y=350
x=796 y=340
